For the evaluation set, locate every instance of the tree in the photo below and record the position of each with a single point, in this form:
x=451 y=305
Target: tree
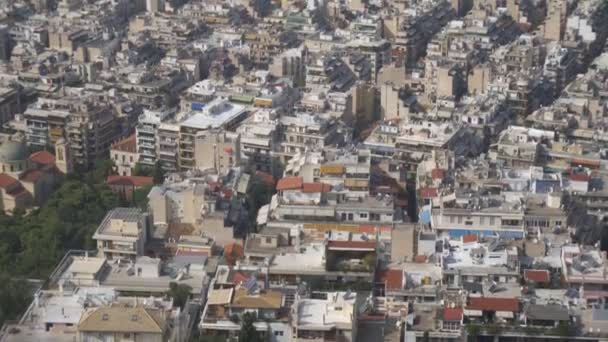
x=13 y=295
x=139 y=198
x=142 y=170
x=180 y=293
x=248 y=332
x=261 y=7
x=158 y=173
x=473 y=331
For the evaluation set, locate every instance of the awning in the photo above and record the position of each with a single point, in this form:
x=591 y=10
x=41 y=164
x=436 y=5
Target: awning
x=473 y=313
x=504 y=314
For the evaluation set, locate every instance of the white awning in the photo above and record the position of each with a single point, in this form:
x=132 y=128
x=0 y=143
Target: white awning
x=504 y=314
x=474 y=313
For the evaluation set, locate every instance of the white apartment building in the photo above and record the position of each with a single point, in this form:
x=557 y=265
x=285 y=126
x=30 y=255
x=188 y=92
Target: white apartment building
x=122 y=234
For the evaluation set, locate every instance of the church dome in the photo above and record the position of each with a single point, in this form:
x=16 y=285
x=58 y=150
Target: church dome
x=12 y=151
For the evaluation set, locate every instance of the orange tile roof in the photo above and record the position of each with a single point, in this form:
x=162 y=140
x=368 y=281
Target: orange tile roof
x=128 y=144
x=289 y=183
x=31 y=176
x=493 y=304
x=265 y=177
x=428 y=192
x=42 y=157
x=420 y=259
x=438 y=173
x=392 y=279
x=136 y=181
x=352 y=244
x=452 y=314
x=7 y=181
x=316 y=187
x=538 y=276
x=469 y=238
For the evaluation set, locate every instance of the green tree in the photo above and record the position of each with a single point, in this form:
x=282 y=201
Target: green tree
x=473 y=330
x=142 y=170
x=140 y=197
x=248 y=332
x=13 y=295
x=158 y=173
x=180 y=293
x=563 y=329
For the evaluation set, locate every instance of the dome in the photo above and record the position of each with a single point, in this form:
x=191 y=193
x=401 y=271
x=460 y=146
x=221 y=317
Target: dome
x=12 y=151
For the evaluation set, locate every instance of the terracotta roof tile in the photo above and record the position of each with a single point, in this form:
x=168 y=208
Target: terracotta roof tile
x=469 y=238
x=316 y=187
x=352 y=244
x=493 y=304
x=136 y=181
x=265 y=177
x=129 y=144
x=31 y=176
x=438 y=173
x=392 y=279
x=428 y=192
x=420 y=259
x=289 y=183
x=452 y=314
x=42 y=157
x=7 y=181
x=538 y=276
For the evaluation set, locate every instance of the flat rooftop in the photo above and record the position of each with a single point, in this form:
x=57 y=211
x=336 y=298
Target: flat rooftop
x=216 y=114
x=121 y=222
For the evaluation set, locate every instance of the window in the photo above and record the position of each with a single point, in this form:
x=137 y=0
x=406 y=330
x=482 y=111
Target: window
x=363 y=215
x=459 y=219
x=558 y=223
x=278 y=333
x=492 y=219
x=482 y=220
x=452 y=219
x=268 y=239
x=131 y=159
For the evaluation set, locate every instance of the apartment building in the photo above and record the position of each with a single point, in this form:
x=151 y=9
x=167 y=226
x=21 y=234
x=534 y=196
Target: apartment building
x=122 y=234
x=217 y=150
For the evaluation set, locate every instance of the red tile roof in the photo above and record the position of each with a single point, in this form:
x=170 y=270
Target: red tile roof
x=452 y=314
x=239 y=277
x=316 y=187
x=31 y=176
x=265 y=177
x=352 y=244
x=428 y=192
x=7 y=181
x=136 y=181
x=289 y=183
x=420 y=259
x=579 y=177
x=367 y=229
x=469 y=238
x=128 y=144
x=438 y=173
x=42 y=157
x=538 y=276
x=234 y=249
x=493 y=304
x=392 y=279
